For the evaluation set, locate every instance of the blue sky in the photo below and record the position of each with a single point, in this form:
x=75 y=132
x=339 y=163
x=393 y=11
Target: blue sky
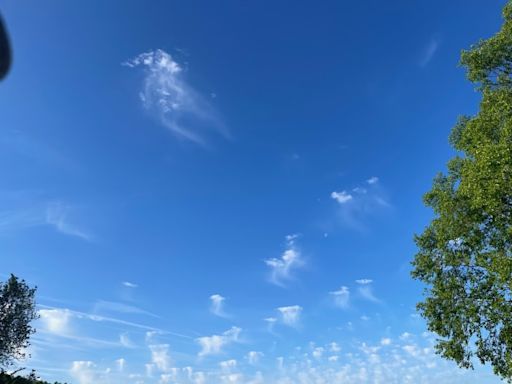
x=227 y=192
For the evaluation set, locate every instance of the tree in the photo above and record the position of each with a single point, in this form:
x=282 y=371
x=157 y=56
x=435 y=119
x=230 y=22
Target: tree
x=465 y=254
x=17 y=310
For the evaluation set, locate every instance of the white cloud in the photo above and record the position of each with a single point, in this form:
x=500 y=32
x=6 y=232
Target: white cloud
x=130 y=284
x=84 y=372
x=228 y=365
x=290 y=260
x=405 y=362
x=363 y=201
x=120 y=364
x=290 y=315
x=271 y=321
x=373 y=180
x=211 y=345
x=366 y=291
x=217 y=305
x=341 y=197
x=334 y=347
x=160 y=357
x=318 y=352
x=57 y=215
x=385 y=341
x=125 y=341
x=428 y=52
x=405 y=336
x=56 y=320
x=341 y=297
x=112 y=306
x=253 y=357
x=168 y=96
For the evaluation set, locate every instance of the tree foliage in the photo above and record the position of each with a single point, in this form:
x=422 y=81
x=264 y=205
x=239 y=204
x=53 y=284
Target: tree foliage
x=465 y=254
x=17 y=310
x=29 y=379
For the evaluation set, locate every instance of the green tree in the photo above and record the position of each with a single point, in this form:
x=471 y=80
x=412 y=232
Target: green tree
x=17 y=310
x=465 y=254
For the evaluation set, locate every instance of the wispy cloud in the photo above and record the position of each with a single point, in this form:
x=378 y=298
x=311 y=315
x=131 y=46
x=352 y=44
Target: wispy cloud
x=177 y=105
x=106 y=319
x=21 y=210
x=130 y=284
x=253 y=357
x=212 y=345
x=366 y=291
x=281 y=269
x=121 y=364
x=217 y=305
x=341 y=297
x=290 y=315
x=362 y=200
x=111 y=306
x=125 y=340
x=57 y=215
x=428 y=52
x=271 y=321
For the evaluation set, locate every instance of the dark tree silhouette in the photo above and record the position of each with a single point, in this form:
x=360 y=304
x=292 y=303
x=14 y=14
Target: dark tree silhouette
x=17 y=310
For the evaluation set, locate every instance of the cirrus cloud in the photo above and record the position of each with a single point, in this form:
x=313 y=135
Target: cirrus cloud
x=168 y=97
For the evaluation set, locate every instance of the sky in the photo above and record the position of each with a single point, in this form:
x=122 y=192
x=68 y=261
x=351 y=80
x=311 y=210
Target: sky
x=226 y=191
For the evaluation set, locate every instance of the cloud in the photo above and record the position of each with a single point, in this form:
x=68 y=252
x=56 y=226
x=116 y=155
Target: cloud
x=271 y=321
x=120 y=364
x=84 y=372
x=404 y=361
x=119 y=322
x=373 y=180
x=290 y=315
x=129 y=284
x=212 y=345
x=253 y=357
x=228 y=365
x=167 y=95
x=217 y=305
x=334 y=347
x=341 y=197
x=281 y=269
x=361 y=202
x=21 y=210
x=125 y=341
x=366 y=291
x=341 y=297
x=56 y=320
x=57 y=215
x=428 y=52
x=111 y=306
x=160 y=357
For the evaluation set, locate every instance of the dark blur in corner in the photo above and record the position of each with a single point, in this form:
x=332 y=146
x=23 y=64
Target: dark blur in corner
x=5 y=50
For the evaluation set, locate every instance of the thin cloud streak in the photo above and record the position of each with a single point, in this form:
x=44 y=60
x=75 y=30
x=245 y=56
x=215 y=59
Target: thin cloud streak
x=429 y=52
x=57 y=215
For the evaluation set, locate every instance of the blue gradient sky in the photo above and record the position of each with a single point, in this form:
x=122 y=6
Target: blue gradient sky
x=227 y=192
